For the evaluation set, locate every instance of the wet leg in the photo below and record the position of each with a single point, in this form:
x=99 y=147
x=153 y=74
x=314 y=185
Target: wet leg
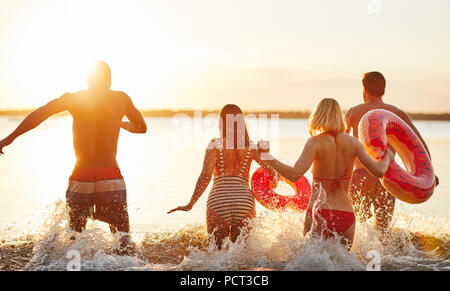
x=348 y=237
x=243 y=224
x=116 y=215
x=362 y=191
x=384 y=209
x=218 y=226
x=78 y=215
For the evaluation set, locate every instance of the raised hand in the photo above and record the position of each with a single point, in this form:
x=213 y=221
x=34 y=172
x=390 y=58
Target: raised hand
x=181 y=208
x=3 y=143
x=389 y=154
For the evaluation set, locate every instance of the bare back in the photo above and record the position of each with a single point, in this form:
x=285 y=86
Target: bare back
x=96 y=127
x=333 y=165
x=234 y=160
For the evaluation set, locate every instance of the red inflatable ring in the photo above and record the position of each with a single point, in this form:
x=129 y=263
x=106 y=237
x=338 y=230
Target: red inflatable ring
x=262 y=188
x=379 y=127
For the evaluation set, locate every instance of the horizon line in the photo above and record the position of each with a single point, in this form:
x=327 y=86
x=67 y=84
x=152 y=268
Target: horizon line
x=284 y=114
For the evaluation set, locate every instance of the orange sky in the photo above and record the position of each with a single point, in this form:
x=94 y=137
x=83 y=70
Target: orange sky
x=259 y=54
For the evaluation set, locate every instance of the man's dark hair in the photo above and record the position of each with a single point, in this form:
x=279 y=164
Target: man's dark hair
x=374 y=83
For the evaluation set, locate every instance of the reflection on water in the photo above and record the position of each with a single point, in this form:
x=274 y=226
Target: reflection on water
x=35 y=171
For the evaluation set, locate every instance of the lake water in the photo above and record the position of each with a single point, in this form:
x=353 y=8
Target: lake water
x=161 y=169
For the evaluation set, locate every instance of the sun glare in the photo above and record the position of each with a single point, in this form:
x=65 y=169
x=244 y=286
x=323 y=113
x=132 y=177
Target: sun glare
x=60 y=41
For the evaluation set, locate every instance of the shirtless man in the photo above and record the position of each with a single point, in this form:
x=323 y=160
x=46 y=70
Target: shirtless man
x=96 y=187
x=366 y=190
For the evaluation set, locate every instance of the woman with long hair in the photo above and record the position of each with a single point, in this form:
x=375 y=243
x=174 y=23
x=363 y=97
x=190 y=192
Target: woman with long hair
x=230 y=202
x=332 y=154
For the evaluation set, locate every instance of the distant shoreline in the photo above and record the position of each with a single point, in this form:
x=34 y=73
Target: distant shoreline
x=282 y=114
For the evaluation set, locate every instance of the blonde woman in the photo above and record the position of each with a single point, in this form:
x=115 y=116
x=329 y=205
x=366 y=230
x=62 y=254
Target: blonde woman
x=332 y=154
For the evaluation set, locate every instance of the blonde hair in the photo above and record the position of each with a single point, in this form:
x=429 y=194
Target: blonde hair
x=327 y=116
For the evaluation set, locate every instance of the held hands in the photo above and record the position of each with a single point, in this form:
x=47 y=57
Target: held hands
x=275 y=179
x=181 y=208
x=264 y=150
x=263 y=146
x=385 y=162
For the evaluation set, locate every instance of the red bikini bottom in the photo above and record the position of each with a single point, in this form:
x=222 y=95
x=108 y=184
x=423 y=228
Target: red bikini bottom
x=331 y=221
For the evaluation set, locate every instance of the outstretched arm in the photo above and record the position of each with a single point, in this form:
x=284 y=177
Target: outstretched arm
x=136 y=123
x=37 y=117
x=203 y=180
x=377 y=168
x=301 y=166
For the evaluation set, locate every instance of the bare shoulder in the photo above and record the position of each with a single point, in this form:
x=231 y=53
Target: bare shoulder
x=353 y=116
x=122 y=96
x=212 y=145
x=74 y=96
x=122 y=100
x=397 y=111
x=351 y=141
x=71 y=95
x=355 y=111
x=314 y=144
x=67 y=99
x=350 y=138
x=347 y=137
x=121 y=93
x=210 y=152
x=350 y=111
x=314 y=141
x=78 y=93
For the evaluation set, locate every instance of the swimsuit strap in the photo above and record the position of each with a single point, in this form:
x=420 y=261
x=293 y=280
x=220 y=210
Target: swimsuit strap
x=336 y=182
x=219 y=146
x=247 y=156
x=333 y=134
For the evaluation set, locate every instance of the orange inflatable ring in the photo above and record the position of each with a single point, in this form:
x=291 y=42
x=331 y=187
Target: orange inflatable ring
x=379 y=127
x=262 y=188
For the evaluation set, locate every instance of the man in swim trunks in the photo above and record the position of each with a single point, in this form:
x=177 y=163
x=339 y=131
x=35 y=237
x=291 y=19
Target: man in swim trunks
x=366 y=190
x=96 y=187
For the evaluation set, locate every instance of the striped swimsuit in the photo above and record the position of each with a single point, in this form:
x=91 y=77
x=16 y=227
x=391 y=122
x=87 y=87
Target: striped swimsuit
x=231 y=197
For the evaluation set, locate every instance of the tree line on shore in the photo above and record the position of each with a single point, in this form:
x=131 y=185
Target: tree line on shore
x=281 y=114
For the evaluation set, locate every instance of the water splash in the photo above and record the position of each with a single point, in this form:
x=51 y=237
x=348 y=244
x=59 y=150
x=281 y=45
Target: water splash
x=274 y=242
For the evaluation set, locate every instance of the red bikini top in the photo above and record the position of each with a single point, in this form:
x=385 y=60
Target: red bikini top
x=337 y=181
